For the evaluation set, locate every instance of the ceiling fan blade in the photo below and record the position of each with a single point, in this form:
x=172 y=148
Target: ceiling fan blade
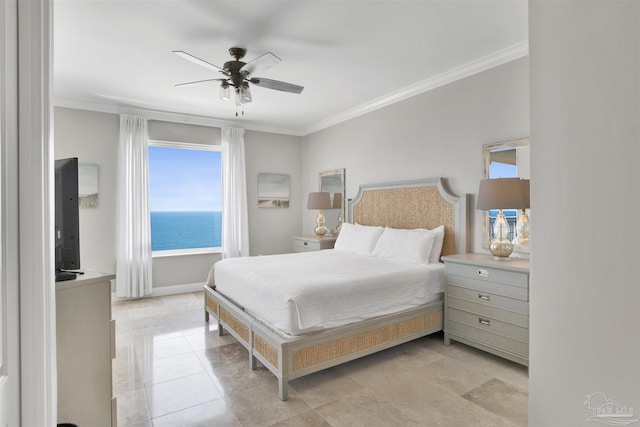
x=200 y=81
x=198 y=61
x=260 y=63
x=277 y=85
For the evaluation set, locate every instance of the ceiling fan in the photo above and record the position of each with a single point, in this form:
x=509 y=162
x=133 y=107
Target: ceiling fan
x=239 y=74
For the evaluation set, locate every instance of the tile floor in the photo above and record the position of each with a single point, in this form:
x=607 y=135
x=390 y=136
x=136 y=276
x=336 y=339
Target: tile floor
x=172 y=369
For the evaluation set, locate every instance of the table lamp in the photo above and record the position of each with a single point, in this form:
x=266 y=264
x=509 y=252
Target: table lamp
x=320 y=201
x=501 y=193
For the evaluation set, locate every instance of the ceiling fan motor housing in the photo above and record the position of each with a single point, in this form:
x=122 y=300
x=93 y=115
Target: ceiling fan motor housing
x=233 y=67
x=235 y=75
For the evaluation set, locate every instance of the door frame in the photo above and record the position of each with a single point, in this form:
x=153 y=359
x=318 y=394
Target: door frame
x=35 y=184
x=9 y=247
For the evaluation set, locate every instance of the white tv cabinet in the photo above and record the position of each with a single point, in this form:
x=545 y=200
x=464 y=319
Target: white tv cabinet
x=85 y=339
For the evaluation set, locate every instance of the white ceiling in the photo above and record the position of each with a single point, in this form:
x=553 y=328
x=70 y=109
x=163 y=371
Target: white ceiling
x=351 y=56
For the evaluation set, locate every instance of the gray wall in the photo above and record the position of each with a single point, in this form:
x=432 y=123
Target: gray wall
x=93 y=138
x=272 y=228
x=585 y=157
x=437 y=133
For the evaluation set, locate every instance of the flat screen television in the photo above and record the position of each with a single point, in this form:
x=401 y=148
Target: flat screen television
x=67 y=224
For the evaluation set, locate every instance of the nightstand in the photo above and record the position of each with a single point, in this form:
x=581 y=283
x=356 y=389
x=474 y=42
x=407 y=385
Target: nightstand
x=487 y=304
x=313 y=243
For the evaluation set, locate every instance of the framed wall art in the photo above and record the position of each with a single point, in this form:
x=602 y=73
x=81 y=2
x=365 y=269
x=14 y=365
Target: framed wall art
x=273 y=190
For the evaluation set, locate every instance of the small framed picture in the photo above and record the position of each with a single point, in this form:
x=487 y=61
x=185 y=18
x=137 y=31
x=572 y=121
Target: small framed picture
x=273 y=190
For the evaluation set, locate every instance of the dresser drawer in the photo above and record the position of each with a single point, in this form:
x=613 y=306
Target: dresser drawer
x=489 y=274
x=480 y=309
x=488 y=299
x=489 y=287
x=490 y=324
x=305 y=245
x=488 y=337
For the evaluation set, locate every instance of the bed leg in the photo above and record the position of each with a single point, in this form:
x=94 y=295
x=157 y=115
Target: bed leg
x=252 y=362
x=206 y=315
x=447 y=340
x=220 y=328
x=283 y=389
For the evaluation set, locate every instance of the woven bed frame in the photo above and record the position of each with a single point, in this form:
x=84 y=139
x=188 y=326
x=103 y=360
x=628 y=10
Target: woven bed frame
x=414 y=204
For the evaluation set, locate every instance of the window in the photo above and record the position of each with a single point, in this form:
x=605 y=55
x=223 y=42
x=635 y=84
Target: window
x=185 y=198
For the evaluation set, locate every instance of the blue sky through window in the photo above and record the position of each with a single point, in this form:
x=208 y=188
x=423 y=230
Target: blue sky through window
x=184 y=180
x=502 y=170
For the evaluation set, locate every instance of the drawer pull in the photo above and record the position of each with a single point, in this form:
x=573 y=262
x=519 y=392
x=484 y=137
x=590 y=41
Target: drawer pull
x=484 y=297
x=483 y=273
x=484 y=322
x=306 y=243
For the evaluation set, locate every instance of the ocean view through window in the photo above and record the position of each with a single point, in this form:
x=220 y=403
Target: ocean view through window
x=185 y=196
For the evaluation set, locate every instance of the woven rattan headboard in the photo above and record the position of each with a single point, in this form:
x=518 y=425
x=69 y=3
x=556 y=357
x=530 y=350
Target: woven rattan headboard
x=415 y=204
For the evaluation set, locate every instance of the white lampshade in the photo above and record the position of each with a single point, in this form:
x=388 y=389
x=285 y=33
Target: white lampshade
x=319 y=200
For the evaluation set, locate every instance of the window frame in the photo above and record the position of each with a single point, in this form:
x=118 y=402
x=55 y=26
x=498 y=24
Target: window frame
x=185 y=146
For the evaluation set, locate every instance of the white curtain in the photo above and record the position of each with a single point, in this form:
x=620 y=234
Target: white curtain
x=235 y=222
x=133 y=277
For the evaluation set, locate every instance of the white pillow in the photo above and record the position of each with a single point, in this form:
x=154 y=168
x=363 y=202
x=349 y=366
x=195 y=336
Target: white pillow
x=357 y=239
x=405 y=245
x=437 y=244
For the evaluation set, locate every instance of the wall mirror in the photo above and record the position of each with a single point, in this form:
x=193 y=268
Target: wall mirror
x=508 y=159
x=332 y=182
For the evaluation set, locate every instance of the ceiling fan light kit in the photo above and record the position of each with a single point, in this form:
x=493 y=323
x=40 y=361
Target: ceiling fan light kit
x=239 y=74
x=225 y=93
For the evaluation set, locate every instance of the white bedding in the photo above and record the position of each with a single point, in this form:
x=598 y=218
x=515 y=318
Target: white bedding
x=302 y=292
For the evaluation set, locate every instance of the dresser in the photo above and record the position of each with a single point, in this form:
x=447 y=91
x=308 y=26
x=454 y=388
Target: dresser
x=312 y=243
x=85 y=340
x=487 y=304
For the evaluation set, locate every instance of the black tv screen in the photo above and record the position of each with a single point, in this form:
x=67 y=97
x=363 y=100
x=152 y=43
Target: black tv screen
x=67 y=239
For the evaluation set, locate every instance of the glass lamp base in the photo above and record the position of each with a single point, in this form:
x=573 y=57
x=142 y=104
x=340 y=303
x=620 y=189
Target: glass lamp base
x=501 y=249
x=521 y=241
x=339 y=227
x=320 y=228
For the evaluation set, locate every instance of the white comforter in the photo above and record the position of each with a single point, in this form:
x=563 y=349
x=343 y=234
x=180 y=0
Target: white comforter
x=302 y=292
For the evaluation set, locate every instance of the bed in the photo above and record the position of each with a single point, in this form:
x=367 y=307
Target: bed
x=291 y=343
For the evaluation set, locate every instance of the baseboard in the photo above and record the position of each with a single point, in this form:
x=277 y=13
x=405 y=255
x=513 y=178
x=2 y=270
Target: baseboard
x=165 y=290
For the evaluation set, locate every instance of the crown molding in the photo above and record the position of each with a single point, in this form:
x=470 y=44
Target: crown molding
x=470 y=68
x=168 y=116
